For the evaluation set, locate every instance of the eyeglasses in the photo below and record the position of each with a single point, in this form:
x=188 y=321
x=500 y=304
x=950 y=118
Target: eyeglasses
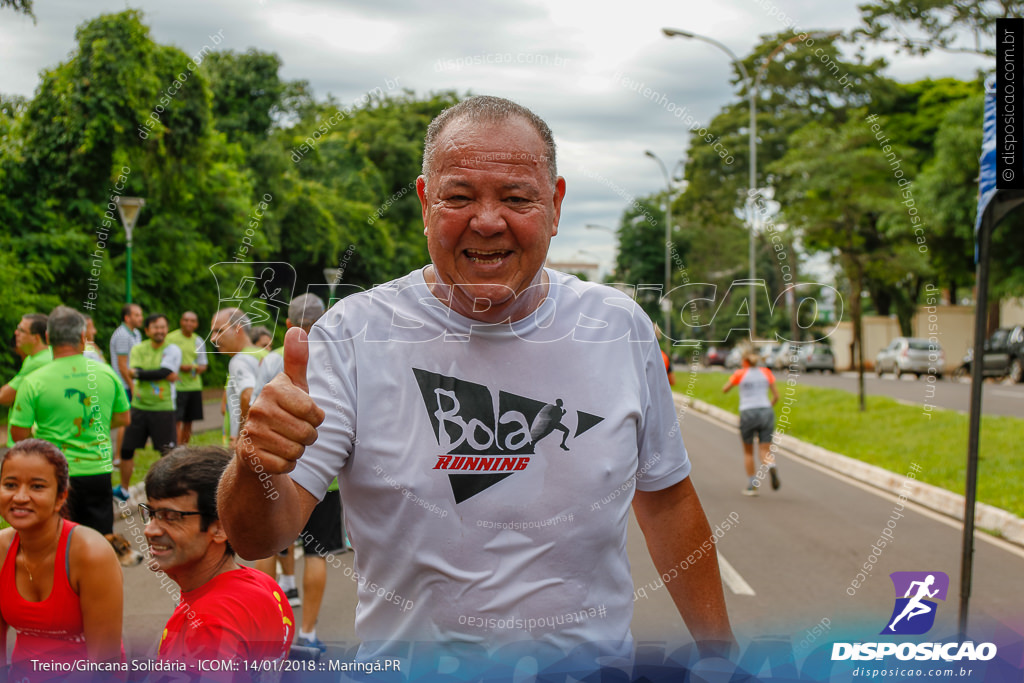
x=163 y=514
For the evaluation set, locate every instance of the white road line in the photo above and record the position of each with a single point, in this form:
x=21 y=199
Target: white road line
x=732 y=578
x=917 y=507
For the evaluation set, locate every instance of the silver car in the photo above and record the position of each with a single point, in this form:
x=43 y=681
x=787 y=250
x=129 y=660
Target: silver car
x=815 y=357
x=907 y=355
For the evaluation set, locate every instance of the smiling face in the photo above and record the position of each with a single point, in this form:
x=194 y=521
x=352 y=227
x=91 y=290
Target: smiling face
x=180 y=548
x=28 y=491
x=189 y=323
x=157 y=330
x=490 y=211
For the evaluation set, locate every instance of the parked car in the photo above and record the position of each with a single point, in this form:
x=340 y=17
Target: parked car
x=734 y=360
x=781 y=357
x=909 y=355
x=767 y=353
x=815 y=356
x=1004 y=355
x=714 y=356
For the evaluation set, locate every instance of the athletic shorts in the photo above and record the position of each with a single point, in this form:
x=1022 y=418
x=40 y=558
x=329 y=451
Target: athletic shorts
x=323 y=533
x=759 y=421
x=158 y=425
x=190 y=406
x=91 y=502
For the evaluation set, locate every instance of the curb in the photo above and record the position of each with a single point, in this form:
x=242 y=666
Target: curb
x=1006 y=525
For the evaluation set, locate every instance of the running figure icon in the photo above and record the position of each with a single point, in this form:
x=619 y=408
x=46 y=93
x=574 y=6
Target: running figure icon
x=916 y=607
x=548 y=420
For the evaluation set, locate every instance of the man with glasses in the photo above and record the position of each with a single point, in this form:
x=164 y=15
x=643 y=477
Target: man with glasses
x=226 y=610
x=30 y=342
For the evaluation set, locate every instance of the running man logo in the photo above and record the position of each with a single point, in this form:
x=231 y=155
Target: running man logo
x=261 y=289
x=913 y=613
x=493 y=446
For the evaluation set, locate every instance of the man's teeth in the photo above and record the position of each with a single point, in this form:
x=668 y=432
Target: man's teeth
x=480 y=255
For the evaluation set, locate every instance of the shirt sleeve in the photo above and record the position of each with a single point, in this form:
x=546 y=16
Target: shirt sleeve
x=171 y=358
x=121 y=344
x=121 y=403
x=737 y=377
x=272 y=364
x=768 y=375
x=23 y=413
x=201 y=358
x=332 y=387
x=662 y=460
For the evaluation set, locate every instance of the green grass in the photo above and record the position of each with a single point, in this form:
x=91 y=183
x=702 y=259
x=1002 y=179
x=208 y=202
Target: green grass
x=893 y=436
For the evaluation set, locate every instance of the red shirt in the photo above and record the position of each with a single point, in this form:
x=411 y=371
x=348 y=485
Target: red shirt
x=239 y=614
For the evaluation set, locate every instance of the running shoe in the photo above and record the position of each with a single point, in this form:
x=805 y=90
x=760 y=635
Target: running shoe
x=121 y=494
x=311 y=642
x=775 y=478
x=293 y=597
x=751 y=490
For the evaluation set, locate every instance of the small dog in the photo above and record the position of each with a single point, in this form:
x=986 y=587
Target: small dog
x=126 y=554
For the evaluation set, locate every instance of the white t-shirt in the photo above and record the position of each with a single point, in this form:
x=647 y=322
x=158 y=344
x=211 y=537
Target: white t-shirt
x=271 y=365
x=754 y=386
x=471 y=521
x=242 y=369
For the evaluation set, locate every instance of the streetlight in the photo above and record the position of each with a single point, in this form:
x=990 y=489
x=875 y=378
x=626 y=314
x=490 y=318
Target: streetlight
x=666 y=304
x=128 y=209
x=752 y=89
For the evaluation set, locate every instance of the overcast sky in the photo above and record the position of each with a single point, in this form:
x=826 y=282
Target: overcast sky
x=558 y=57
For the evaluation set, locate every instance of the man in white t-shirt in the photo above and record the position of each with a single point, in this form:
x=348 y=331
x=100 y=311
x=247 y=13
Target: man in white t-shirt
x=486 y=468
x=229 y=332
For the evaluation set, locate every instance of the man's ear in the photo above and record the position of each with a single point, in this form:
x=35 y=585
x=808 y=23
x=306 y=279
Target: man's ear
x=217 y=533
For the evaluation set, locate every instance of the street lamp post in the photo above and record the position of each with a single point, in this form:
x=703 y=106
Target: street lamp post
x=666 y=303
x=753 y=86
x=128 y=209
x=331 y=276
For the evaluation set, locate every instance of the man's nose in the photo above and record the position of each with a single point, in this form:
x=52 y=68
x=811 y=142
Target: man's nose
x=489 y=219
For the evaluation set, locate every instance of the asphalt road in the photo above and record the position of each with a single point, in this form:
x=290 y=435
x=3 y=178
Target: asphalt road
x=793 y=554
x=998 y=398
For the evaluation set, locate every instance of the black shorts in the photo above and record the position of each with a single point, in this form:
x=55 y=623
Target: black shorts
x=91 y=502
x=323 y=534
x=189 y=406
x=158 y=425
x=759 y=421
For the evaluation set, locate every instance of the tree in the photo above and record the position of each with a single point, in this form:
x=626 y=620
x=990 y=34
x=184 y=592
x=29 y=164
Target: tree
x=23 y=6
x=939 y=24
x=840 y=189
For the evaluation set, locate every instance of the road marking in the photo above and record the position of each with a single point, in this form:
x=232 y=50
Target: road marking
x=732 y=578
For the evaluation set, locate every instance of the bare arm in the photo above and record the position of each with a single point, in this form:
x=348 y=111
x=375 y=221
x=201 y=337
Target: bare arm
x=7 y=394
x=775 y=393
x=676 y=530
x=243 y=405
x=122 y=419
x=20 y=433
x=5 y=544
x=260 y=506
x=97 y=578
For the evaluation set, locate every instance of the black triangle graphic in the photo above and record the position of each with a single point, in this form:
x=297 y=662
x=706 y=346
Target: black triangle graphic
x=465 y=486
x=585 y=421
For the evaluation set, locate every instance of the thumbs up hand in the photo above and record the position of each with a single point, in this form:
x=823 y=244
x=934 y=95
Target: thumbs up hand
x=283 y=420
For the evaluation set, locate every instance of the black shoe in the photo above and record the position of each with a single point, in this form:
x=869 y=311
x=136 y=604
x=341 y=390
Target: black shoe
x=293 y=597
x=775 y=478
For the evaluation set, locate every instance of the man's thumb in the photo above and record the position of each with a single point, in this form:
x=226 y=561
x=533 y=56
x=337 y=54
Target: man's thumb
x=296 y=356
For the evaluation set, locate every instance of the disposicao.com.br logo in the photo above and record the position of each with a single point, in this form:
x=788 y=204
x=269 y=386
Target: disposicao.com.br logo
x=914 y=614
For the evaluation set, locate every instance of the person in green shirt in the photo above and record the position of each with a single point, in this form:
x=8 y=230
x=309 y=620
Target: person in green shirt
x=30 y=341
x=73 y=402
x=189 y=403
x=154 y=365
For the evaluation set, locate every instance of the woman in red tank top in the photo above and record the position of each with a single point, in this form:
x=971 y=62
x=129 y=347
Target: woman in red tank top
x=61 y=587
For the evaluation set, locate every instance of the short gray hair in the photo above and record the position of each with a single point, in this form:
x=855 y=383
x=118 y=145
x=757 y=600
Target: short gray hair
x=237 y=318
x=65 y=326
x=305 y=310
x=487 y=109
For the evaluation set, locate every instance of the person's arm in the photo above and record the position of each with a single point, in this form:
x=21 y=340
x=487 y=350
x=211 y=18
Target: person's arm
x=775 y=393
x=676 y=529
x=122 y=419
x=125 y=370
x=20 y=433
x=261 y=508
x=7 y=394
x=152 y=375
x=99 y=582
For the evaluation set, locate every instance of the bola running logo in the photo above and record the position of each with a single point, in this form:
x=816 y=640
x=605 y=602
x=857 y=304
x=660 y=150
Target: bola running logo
x=482 y=448
x=914 y=613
